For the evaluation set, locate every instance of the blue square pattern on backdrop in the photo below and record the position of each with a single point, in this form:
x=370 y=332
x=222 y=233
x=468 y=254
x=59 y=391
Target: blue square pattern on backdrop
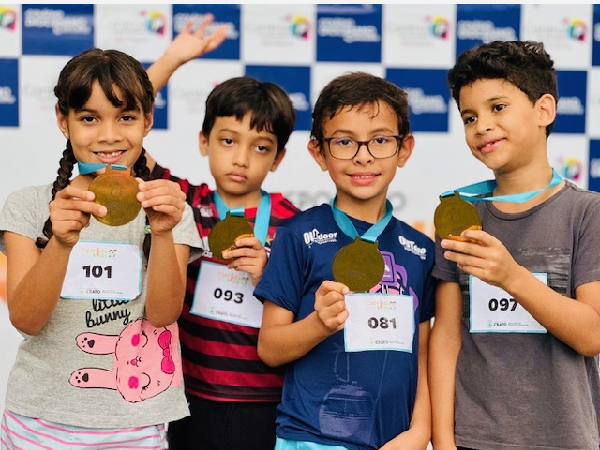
x=572 y=92
x=295 y=81
x=9 y=92
x=224 y=15
x=428 y=97
x=478 y=24
x=59 y=30
x=350 y=33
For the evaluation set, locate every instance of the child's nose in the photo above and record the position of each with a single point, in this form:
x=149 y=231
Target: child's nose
x=108 y=132
x=242 y=156
x=363 y=155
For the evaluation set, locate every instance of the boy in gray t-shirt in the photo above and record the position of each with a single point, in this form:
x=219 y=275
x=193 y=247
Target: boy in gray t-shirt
x=513 y=350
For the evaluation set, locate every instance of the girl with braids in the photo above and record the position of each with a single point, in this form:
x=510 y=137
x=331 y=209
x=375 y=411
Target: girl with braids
x=99 y=366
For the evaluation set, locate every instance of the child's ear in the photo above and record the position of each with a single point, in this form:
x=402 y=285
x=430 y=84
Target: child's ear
x=148 y=122
x=203 y=143
x=547 y=108
x=315 y=151
x=277 y=160
x=62 y=122
x=406 y=149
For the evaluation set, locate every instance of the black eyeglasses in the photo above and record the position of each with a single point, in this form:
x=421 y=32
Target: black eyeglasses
x=379 y=147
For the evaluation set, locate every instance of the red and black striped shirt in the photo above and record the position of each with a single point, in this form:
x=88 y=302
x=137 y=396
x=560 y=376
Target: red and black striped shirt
x=220 y=360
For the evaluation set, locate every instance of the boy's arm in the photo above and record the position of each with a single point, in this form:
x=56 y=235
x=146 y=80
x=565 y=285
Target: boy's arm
x=187 y=45
x=576 y=323
x=281 y=340
x=419 y=434
x=444 y=346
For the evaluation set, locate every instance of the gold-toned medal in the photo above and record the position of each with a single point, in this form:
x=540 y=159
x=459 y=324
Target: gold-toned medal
x=223 y=235
x=359 y=265
x=454 y=215
x=117 y=190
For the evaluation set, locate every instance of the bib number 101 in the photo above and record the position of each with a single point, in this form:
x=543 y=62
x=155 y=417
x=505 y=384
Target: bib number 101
x=97 y=271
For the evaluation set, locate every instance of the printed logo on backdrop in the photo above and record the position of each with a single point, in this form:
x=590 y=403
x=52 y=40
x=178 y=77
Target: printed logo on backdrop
x=594 y=165
x=428 y=97
x=141 y=31
x=161 y=106
x=295 y=81
x=425 y=33
x=285 y=35
x=9 y=89
x=570 y=111
x=571 y=168
x=479 y=24
x=8 y=18
x=564 y=30
x=10 y=31
x=596 y=36
x=228 y=15
x=64 y=30
x=349 y=33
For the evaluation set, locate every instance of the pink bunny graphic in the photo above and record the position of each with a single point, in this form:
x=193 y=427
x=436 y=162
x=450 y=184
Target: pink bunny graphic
x=146 y=361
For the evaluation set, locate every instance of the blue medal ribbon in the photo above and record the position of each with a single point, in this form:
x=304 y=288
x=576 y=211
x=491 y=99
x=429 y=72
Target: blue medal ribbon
x=263 y=214
x=349 y=229
x=484 y=187
x=87 y=168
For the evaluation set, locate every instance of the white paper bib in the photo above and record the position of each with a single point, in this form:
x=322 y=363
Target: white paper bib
x=103 y=270
x=227 y=295
x=494 y=311
x=379 y=322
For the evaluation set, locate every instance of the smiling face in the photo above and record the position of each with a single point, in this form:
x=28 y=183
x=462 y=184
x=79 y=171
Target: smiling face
x=240 y=158
x=363 y=181
x=102 y=133
x=503 y=128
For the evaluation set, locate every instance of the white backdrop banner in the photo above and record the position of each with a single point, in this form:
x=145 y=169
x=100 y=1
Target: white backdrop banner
x=300 y=47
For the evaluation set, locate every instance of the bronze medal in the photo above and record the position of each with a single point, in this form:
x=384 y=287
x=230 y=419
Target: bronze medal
x=223 y=235
x=117 y=190
x=454 y=215
x=359 y=265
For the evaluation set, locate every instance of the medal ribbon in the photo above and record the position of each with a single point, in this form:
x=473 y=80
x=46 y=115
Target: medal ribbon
x=484 y=187
x=348 y=228
x=87 y=168
x=263 y=214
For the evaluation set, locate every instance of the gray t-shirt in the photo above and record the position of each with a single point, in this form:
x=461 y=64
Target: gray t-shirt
x=97 y=363
x=524 y=391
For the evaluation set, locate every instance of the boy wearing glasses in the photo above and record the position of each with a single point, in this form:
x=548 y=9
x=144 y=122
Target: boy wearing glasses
x=356 y=370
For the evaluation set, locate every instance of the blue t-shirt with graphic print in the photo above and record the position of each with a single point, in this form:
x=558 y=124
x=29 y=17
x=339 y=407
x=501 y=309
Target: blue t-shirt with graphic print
x=356 y=399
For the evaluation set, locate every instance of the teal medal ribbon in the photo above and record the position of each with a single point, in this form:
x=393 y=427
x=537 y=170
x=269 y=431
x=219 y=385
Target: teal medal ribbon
x=348 y=228
x=470 y=192
x=359 y=265
x=263 y=214
x=87 y=168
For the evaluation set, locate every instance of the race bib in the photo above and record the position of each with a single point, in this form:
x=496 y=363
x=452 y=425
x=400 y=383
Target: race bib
x=227 y=295
x=379 y=322
x=103 y=270
x=494 y=311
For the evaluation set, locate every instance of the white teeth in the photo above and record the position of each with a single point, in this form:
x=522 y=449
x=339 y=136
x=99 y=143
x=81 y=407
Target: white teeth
x=109 y=154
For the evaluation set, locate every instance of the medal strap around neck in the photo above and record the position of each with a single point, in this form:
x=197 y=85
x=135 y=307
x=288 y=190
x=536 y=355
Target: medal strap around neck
x=87 y=168
x=485 y=187
x=263 y=214
x=348 y=228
